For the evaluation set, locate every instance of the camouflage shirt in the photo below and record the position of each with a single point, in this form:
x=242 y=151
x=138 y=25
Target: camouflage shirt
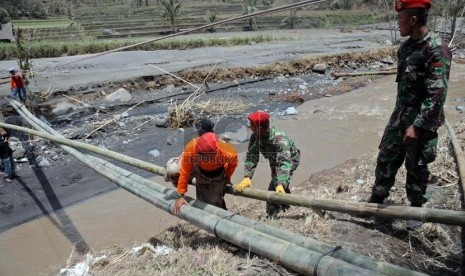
x=422 y=80
x=279 y=149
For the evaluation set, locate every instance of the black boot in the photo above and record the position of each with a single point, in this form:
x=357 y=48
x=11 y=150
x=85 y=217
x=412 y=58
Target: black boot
x=376 y=199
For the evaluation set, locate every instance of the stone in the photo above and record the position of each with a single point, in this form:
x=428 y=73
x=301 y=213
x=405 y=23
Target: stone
x=121 y=95
x=155 y=153
x=63 y=108
x=320 y=68
x=291 y=111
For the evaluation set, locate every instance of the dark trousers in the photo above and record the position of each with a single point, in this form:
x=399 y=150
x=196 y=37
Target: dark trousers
x=272 y=209
x=210 y=186
x=417 y=154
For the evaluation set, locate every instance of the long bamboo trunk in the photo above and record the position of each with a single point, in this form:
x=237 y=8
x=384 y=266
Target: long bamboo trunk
x=115 y=155
x=291 y=255
x=314 y=245
x=380 y=210
x=459 y=156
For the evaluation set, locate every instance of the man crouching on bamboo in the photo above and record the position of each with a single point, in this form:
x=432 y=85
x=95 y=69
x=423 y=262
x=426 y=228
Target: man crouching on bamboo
x=212 y=163
x=281 y=152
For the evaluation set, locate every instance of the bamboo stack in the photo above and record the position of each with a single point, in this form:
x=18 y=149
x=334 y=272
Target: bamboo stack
x=292 y=251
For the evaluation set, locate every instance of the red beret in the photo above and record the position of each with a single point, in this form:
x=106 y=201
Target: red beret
x=259 y=118
x=207 y=143
x=411 y=4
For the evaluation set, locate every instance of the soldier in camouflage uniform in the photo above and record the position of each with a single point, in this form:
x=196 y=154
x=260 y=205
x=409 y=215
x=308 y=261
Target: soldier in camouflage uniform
x=281 y=152
x=424 y=62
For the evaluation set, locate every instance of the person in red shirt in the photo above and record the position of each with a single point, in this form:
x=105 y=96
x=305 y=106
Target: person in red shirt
x=17 y=85
x=212 y=163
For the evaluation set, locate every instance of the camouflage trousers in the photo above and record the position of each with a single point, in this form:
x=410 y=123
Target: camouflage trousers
x=272 y=209
x=417 y=154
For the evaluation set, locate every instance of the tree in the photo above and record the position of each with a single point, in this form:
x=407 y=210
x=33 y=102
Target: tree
x=211 y=18
x=249 y=8
x=456 y=10
x=289 y=21
x=391 y=19
x=172 y=11
x=25 y=8
x=4 y=16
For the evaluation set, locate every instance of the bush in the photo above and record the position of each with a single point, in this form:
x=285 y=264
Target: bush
x=267 y=2
x=342 y=4
x=4 y=16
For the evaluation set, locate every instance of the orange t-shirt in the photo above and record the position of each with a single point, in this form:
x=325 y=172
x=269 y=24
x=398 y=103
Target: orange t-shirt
x=226 y=157
x=16 y=81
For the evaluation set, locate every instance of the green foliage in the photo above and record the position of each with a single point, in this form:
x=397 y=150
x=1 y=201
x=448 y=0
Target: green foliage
x=249 y=7
x=25 y=8
x=172 y=10
x=43 y=49
x=342 y=4
x=41 y=23
x=211 y=18
x=22 y=55
x=4 y=16
x=289 y=21
x=267 y=2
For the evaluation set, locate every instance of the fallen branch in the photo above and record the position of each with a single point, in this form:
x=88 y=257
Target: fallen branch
x=342 y=42
x=458 y=154
x=116 y=118
x=337 y=75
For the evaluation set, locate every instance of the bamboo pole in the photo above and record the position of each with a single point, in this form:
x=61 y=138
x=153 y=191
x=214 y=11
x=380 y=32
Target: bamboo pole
x=459 y=156
x=337 y=75
x=311 y=244
x=288 y=254
x=358 y=208
x=380 y=210
x=115 y=155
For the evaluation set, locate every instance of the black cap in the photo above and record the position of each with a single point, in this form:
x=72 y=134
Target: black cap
x=204 y=126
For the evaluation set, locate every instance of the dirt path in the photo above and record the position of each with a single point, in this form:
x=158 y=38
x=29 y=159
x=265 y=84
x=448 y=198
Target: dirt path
x=129 y=65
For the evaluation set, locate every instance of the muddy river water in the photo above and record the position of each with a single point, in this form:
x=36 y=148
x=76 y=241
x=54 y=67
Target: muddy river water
x=351 y=124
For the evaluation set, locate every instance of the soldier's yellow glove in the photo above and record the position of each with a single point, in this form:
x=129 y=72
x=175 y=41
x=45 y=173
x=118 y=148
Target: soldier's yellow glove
x=246 y=182
x=280 y=189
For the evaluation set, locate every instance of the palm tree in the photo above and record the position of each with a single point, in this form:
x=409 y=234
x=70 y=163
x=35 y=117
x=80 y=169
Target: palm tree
x=249 y=7
x=172 y=11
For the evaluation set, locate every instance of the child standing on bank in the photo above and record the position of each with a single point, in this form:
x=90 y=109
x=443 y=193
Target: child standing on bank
x=17 y=85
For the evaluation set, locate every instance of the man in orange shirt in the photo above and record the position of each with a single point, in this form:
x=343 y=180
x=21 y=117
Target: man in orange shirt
x=212 y=163
x=17 y=85
x=173 y=165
